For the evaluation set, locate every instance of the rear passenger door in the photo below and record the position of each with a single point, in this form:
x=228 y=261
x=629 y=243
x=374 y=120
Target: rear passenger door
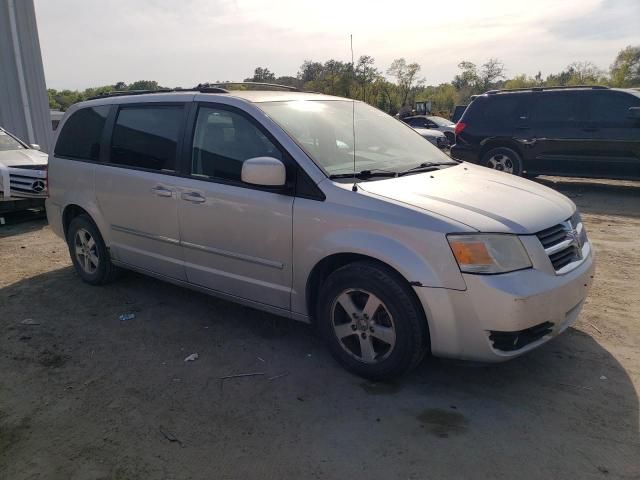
x=135 y=188
x=559 y=140
x=236 y=237
x=615 y=137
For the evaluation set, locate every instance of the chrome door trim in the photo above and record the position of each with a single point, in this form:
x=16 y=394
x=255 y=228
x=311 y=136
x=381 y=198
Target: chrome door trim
x=138 y=233
x=195 y=246
x=237 y=256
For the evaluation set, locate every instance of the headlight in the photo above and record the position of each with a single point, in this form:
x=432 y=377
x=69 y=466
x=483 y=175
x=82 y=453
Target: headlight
x=489 y=253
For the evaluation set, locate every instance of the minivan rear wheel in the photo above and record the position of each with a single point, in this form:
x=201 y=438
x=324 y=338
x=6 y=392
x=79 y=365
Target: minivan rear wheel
x=89 y=253
x=371 y=322
x=503 y=160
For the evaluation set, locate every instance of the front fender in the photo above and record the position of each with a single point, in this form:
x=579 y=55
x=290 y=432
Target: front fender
x=430 y=265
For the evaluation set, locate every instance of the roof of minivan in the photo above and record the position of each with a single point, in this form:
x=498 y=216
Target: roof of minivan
x=253 y=96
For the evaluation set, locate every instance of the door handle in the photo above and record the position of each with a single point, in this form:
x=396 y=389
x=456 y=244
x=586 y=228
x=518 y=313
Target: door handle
x=193 y=197
x=162 y=192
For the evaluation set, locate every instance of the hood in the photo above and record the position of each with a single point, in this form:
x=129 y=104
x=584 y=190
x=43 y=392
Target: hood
x=425 y=132
x=17 y=158
x=483 y=199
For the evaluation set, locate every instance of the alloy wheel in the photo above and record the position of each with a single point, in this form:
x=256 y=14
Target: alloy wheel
x=363 y=325
x=86 y=251
x=501 y=162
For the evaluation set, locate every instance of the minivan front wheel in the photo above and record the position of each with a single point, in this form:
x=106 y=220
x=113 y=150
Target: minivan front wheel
x=504 y=160
x=89 y=253
x=371 y=322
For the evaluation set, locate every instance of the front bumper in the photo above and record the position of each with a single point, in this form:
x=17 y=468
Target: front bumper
x=529 y=306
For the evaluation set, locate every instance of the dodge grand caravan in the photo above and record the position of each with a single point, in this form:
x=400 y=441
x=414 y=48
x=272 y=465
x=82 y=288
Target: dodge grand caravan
x=388 y=246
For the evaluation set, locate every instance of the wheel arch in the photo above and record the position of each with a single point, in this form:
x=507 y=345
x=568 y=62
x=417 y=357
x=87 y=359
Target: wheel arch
x=329 y=264
x=492 y=143
x=70 y=212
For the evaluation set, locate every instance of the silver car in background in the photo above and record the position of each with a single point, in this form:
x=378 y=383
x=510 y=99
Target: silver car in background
x=433 y=123
x=279 y=201
x=436 y=138
x=23 y=169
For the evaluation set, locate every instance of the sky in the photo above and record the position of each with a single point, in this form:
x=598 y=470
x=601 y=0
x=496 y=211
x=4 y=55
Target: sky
x=87 y=43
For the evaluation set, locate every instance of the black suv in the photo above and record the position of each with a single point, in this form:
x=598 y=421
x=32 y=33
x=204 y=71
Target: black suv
x=571 y=131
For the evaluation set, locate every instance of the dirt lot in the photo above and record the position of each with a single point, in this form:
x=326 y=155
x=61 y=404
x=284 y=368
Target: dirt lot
x=84 y=395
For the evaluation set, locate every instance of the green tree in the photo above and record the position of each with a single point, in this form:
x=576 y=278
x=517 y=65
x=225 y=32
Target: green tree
x=310 y=71
x=492 y=71
x=144 y=85
x=405 y=75
x=625 y=70
x=262 y=75
x=365 y=73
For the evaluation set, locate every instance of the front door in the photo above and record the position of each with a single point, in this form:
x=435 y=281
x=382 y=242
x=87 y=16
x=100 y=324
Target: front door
x=614 y=142
x=236 y=238
x=136 y=189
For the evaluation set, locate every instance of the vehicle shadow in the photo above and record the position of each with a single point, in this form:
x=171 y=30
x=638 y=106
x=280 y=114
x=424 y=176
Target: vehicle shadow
x=568 y=409
x=598 y=197
x=14 y=222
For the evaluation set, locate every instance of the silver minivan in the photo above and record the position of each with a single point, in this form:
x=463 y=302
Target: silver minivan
x=324 y=210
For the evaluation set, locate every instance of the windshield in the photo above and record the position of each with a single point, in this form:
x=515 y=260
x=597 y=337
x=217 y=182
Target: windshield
x=441 y=122
x=7 y=142
x=324 y=130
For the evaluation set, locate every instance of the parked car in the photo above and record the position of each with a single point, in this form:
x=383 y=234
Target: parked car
x=457 y=113
x=433 y=123
x=247 y=195
x=23 y=169
x=437 y=138
x=570 y=131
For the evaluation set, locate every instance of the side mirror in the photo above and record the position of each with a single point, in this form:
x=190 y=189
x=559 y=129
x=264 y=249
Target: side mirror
x=634 y=112
x=35 y=146
x=264 y=171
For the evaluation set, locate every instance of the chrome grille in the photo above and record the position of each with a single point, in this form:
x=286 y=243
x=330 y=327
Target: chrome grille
x=27 y=182
x=565 y=244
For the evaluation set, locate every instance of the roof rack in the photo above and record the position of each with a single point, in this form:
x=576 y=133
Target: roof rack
x=123 y=93
x=202 y=88
x=540 y=89
x=256 y=84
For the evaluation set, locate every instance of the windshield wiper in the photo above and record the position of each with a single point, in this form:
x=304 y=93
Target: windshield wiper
x=425 y=167
x=364 y=174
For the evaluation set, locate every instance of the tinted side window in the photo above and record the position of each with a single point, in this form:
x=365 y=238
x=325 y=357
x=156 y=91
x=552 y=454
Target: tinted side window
x=496 y=110
x=417 y=122
x=80 y=136
x=556 y=109
x=223 y=140
x=611 y=109
x=147 y=136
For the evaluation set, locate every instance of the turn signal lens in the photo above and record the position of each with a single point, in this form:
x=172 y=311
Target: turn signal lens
x=489 y=253
x=471 y=253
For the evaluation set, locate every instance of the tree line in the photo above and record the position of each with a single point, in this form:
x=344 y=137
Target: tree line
x=401 y=84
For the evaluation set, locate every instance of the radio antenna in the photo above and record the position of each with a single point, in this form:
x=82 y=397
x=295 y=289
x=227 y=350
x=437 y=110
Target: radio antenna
x=353 y=119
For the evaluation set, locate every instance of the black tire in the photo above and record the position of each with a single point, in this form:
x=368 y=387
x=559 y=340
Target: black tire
x=410 y=326
x=105 y=271
x=506 y=156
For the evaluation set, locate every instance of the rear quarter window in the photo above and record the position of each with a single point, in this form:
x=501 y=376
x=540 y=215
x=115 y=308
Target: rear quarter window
x=81 y=134
x=496 y=110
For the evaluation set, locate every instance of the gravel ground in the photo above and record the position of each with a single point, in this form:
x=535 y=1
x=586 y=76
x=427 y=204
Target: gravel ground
x=84 y=395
